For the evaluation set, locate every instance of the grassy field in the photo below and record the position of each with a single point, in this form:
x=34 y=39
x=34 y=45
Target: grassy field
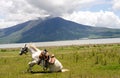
x=89 y=61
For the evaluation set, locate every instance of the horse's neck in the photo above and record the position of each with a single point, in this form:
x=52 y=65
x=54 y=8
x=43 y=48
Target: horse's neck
x=33 y=50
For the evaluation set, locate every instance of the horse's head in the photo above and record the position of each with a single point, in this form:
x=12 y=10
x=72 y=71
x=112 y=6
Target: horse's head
x=24 y=50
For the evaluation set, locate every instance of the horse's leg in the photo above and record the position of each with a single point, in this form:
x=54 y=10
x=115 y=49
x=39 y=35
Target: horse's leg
x=31 y=64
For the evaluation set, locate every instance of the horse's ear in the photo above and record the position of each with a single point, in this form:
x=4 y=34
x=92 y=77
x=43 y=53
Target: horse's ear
x=25 y=45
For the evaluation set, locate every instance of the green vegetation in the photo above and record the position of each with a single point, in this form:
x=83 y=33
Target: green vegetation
x=87 y=61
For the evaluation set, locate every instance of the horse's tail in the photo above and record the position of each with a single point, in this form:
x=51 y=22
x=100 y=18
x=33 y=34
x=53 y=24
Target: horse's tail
x=65 y=70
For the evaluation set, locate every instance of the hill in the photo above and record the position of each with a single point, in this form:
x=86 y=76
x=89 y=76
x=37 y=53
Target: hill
x=53 y=29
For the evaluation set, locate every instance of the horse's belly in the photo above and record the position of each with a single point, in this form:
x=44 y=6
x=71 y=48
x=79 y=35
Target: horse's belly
x=57 y=66
x=36 y=56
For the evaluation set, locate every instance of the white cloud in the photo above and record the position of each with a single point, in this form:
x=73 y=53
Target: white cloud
x=4 y=24
x=13 y=12
x=17 y=11
x=116 y=4
x=98 y=19
x=59 y=7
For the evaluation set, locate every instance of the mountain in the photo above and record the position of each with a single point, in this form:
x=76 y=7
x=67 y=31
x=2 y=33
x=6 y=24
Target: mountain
x=53 y=29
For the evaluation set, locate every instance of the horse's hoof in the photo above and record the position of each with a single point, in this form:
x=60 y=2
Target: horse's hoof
x=29 y=71
x=45 y=69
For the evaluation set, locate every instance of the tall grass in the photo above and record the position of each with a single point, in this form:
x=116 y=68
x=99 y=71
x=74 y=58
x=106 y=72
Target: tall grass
x=89 y=61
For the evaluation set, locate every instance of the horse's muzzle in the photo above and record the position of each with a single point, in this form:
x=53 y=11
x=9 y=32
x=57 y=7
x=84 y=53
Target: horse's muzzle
x=20 y=53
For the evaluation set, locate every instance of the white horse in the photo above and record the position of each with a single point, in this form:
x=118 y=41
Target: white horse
x=56 y=67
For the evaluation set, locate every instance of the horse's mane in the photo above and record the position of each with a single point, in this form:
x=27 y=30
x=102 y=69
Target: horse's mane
x=33 y=47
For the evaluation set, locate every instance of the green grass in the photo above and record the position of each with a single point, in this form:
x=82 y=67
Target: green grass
x=88 y=61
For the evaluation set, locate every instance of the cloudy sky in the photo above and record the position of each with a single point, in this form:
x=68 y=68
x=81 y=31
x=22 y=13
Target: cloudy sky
x=98 y=13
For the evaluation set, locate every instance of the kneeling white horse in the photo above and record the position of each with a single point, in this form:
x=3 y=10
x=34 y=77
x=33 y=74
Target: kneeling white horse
x=56 y=67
